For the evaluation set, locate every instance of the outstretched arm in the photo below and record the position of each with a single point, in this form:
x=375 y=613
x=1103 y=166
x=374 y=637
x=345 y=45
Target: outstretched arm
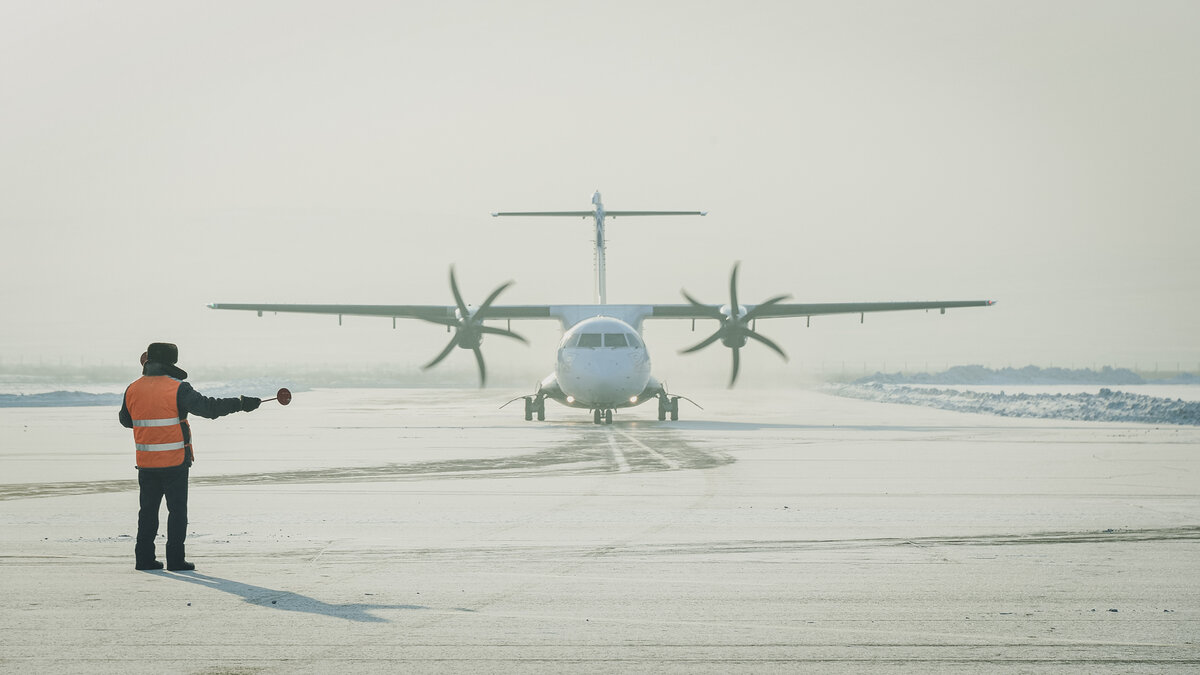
x=195 y=403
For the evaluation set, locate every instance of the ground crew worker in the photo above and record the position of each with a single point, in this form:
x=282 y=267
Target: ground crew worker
x=156 y=407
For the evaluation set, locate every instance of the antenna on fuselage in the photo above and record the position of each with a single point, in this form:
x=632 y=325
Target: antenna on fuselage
x=598 y=214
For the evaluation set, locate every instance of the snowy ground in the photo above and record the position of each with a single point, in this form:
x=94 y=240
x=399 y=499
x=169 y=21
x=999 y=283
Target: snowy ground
x=1184 y=392
x=1145 y=404
x=366 y=530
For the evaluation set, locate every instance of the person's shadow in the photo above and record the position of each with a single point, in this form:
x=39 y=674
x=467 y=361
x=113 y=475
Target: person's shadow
x=286 y=600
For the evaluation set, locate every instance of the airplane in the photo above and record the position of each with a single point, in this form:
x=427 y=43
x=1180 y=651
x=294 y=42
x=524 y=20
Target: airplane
x=602 y=363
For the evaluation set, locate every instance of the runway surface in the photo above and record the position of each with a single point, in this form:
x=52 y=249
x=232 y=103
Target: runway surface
x=365 y=530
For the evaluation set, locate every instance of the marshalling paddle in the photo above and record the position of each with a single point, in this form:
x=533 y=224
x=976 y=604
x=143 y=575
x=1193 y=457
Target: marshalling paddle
x=283 y=396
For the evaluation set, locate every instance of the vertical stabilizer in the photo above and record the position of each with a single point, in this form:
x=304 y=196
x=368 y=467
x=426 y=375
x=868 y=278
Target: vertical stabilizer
x=598 y=214
x=601 y=279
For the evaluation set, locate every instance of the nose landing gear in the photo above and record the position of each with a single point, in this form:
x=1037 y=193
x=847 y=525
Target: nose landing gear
x=602 y=416
x=668 y=405
x=535 y=405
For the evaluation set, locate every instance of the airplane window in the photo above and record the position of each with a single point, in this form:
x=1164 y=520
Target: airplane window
x=589 y=340
x=615 y=340
x=633 y=341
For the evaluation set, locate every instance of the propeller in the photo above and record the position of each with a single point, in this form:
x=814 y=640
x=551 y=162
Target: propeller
x=735 y=324
x=469 y=329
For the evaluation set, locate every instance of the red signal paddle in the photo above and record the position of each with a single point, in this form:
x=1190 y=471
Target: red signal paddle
x=283 y=396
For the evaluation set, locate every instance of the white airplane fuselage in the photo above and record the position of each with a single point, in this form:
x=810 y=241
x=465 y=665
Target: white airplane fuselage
x=602 y=364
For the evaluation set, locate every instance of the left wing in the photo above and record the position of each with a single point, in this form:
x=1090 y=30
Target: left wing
x=736 y=322
x=781 y=309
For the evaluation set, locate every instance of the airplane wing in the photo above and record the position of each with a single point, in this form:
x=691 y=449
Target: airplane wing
x=469 y=330
x=735 y=331
x=445 y=314
x=811 y=309
x=442 y=314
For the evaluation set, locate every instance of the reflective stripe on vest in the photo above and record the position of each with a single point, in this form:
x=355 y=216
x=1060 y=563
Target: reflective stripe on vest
x=158 y=434
x=159 y=447
x=165 y=422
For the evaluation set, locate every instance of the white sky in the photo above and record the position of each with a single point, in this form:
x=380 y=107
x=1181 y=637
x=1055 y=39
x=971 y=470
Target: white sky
x=157 y=156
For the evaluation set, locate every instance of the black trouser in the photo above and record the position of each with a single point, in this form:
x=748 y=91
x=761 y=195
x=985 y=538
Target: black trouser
x=155 y=484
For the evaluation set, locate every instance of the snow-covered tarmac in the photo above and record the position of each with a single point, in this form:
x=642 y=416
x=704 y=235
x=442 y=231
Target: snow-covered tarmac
x=368 y=530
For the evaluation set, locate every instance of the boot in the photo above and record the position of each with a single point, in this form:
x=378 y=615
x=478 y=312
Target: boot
x=175 y=561
x=144 y=556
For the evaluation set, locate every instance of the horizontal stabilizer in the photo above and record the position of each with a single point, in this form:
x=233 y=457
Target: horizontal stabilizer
x=610 y=214
x=614 y=214
x=573 y=214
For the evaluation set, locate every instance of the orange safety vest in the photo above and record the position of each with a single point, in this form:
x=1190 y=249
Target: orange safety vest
x=157 y=427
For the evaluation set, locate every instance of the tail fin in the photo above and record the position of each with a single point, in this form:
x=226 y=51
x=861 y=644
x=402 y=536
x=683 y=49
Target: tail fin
x=598 y=214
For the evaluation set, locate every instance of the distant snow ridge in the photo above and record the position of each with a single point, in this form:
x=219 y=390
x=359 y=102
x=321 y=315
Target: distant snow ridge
x=1106 y=406
x=58 y=399
x=260 y=387
x=263 y=388
x=1026 y=375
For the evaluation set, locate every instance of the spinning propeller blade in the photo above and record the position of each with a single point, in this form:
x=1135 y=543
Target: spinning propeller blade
x=469 y=329
x=735 y=327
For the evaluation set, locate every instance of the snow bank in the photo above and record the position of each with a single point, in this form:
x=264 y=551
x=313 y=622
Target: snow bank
x=1105 y=406
x=64 y=399
x=58 y=399
x=1026 y=375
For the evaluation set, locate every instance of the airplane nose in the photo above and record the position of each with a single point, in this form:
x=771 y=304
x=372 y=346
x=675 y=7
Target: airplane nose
x=603 y=377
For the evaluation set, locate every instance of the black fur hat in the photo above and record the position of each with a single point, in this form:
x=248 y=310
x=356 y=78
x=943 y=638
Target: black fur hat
x=159 y=359
x=162 y=352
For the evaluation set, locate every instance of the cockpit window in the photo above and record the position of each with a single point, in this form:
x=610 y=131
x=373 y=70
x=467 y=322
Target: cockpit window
x=615 y=340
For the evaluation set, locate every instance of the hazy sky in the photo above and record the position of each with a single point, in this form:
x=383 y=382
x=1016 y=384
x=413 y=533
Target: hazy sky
x=157 y=156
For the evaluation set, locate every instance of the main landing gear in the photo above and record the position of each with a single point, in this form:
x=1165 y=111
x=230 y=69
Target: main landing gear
x=668 y=405
x=602 y=416
x=535 y=405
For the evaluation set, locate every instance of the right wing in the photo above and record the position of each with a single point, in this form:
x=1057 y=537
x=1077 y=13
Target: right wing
x=442 y=314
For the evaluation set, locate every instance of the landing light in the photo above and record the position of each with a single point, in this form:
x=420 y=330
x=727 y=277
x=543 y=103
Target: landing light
x=633 y=399
x=570 y=399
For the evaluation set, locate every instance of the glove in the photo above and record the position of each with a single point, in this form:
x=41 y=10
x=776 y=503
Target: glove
x=249 y=403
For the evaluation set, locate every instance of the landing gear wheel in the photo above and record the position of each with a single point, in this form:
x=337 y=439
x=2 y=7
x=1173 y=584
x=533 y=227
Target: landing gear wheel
x=608 y=416
x=528 y=409
x=675 y=409
x=662 y=408
x=596 y=416
x=540 y=409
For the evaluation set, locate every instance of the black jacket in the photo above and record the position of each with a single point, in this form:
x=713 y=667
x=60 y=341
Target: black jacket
x=188 y=400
